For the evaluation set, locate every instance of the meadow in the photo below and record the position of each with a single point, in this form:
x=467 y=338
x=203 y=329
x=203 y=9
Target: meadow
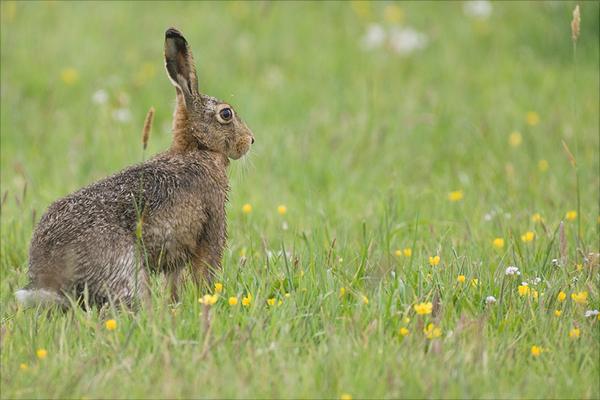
x=419 y=215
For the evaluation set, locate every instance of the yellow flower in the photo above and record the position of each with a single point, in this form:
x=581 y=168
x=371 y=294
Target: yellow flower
x=361 y=8
x=532 y=118
x=23 y=367
x=561 y=296
x=407 y=252
x=433 y=261
x=524 y=290
x=110 y=325
x=474 y=282
x=233 y=301
x=69 y=76
x=536 y=218
x=536 y=350
x=282 y=209
x=406 y=320
x=534 y=294
x=498 y=243
x=365 y=299
x=571 y=215
x=557 y=313
x=515 y=139
x=247 y=208
x=393 y=14
x=461 y=279
x=404 y=331
x=345 y=396
x=342 y=291
x=423 y=308
x=580 y=298
x=218 y=287
x=398 y=253
x=208 y=299
x=41 y=353
x=271 y=301
x=528 y=236
x=247 y=300
x=579 y=267
x=432 y=331
x=543 y=165
x=455 y=195
x=574 y=333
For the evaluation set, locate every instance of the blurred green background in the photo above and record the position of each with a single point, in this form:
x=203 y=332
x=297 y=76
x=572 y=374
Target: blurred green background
x=366 y=116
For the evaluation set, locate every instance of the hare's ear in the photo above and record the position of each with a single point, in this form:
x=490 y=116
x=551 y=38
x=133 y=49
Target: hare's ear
x=180 y=64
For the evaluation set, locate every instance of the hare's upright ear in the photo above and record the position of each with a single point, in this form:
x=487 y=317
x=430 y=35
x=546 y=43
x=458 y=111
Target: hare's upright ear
x=180 y=64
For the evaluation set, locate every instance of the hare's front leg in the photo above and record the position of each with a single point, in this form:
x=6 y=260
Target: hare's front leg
x=206 y=260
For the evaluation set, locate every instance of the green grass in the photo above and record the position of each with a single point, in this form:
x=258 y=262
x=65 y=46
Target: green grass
x=363 y=148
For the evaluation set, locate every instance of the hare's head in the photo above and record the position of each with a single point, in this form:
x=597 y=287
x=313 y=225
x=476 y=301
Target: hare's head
x=201 y=121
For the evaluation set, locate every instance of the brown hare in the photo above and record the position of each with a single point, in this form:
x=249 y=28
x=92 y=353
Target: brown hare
x=104 y=240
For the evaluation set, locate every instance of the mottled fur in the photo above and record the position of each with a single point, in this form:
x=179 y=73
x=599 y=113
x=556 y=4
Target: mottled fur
x=89 y=242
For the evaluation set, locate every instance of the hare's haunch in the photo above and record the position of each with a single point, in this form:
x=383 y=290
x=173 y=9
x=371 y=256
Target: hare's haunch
x=90 y=242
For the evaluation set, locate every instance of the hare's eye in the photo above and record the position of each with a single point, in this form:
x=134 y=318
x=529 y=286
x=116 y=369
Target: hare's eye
x=225 y=115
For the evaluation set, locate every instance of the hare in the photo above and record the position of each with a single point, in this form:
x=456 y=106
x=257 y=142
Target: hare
x=104 y=240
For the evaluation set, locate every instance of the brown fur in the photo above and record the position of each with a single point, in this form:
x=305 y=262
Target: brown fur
x=90 y=240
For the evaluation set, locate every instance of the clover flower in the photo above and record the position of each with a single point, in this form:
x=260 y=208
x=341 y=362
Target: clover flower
x=490 y=300
x=591 y=313
x=512 y=271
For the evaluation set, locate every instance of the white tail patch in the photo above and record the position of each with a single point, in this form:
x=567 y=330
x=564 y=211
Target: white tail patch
x=43 y=297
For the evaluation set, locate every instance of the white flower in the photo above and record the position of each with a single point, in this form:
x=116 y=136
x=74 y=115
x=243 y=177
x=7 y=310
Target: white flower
x=512 y=271
x=121 y=115
x=490 y=300
x=591 y=313
x=524 y=284
x=478 y=9
x=555 y=262
x=374 y=37
x=407 y=40
x=536 y=280
x=488 y=217
x=100 y=96
x=284 y=226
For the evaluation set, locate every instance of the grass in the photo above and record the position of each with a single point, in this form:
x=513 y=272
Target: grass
x=363 y=148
